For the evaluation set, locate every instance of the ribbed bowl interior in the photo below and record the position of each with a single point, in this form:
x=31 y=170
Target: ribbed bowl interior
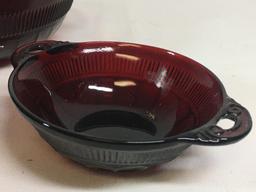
x=118 y=91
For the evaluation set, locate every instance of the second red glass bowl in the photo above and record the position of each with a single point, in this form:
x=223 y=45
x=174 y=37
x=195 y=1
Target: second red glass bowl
x=23 y=21
x=120 y=105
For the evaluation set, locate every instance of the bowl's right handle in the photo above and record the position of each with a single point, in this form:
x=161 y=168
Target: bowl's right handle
x=212 y=134
x=27 y=51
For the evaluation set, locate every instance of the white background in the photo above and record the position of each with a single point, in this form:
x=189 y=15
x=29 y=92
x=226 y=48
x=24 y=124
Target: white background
x=219 y=34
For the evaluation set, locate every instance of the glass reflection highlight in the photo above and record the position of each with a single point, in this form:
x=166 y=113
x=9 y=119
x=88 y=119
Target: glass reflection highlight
x=97 y=50
x=124 y=83
x=126 y=56
x=98 y=88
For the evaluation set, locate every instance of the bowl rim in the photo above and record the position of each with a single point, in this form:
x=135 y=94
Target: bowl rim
x=59 y=129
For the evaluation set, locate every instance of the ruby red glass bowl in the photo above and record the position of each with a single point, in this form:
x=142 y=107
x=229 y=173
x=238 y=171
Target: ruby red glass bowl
x=119 y=105
x=23 y=21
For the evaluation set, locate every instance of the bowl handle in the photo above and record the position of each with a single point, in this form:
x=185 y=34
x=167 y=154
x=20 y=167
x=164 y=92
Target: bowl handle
x=32 y=50
x=212 y=134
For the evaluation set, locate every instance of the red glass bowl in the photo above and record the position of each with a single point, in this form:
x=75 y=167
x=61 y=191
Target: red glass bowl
x=24 y=21
x=121 y=106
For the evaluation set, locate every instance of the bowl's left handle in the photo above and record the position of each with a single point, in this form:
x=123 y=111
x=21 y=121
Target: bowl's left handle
x=212 y=134
x=33 y=49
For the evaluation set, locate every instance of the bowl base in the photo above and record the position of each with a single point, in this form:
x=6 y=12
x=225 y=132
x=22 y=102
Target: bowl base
x=102 y=157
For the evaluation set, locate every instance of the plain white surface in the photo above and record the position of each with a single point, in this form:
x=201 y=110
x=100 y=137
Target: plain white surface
x=219 y=34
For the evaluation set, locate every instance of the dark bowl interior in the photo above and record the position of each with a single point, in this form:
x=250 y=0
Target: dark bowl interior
x=118 y=91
